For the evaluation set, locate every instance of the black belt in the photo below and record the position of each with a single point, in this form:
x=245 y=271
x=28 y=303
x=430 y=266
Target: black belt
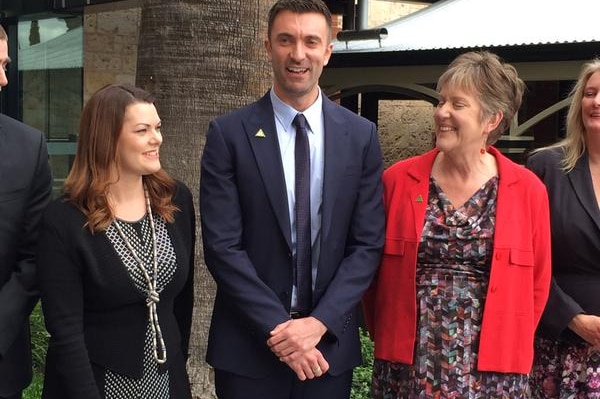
x=298 y=315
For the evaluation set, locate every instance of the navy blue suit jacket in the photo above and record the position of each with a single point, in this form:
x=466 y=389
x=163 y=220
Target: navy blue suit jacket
x=246 y=234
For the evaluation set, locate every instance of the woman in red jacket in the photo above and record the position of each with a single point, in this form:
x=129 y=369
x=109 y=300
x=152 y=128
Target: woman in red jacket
x=466 y=265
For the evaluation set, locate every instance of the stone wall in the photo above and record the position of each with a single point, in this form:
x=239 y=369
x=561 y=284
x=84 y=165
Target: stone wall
x=405 y=126
x=405 y=129
x=110 y=43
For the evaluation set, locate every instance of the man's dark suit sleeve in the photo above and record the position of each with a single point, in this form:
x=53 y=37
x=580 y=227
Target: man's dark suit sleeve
x=363 y=245
x=222 y=228
x=19 y=294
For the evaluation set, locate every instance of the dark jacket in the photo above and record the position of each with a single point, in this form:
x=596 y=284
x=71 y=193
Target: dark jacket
x=575 y=220
x=247 y=235
x=25 y=189
x=95 y=316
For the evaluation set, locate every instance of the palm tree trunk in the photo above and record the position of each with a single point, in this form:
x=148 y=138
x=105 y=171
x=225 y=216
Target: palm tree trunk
x=200 y=58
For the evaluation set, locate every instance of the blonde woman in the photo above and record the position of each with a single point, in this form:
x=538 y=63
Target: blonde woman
x=567 y=352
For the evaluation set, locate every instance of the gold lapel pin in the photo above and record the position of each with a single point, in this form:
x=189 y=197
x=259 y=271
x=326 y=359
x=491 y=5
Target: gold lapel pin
x=419 y=198
x=260 y=133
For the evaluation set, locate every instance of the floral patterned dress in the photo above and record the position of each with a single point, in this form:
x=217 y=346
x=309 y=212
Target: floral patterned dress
x=453 y=268
x=564 y=370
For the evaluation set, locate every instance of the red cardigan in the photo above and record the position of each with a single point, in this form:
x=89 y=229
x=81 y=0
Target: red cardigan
x=519 y=277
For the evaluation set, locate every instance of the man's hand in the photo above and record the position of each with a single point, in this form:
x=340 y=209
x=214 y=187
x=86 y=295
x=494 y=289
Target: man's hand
x=294 y=342
x=298 y=335
x=308 y=365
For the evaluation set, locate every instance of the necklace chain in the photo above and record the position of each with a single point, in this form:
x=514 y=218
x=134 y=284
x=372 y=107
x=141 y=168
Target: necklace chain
x=153 y=295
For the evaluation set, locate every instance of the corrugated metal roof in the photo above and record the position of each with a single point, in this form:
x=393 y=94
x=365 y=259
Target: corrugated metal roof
x=62 y=52
x=487 y=23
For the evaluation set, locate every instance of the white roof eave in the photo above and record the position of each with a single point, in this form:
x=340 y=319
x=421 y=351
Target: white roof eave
x=452 y=24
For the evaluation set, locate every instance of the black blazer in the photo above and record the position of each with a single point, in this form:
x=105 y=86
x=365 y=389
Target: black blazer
x=247 y=244
x=95 y=316
x=575 y=219
x=25 y=189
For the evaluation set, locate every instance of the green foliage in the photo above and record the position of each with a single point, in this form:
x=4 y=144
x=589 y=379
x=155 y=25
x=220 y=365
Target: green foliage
x=361 y=380
x=34 y=391
x=39 y=344
x=39 y=338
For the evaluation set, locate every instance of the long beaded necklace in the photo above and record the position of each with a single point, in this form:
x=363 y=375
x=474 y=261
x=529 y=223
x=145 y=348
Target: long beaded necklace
x=160 y=349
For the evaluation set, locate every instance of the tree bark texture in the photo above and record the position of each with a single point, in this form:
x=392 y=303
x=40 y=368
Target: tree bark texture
x=200 y=58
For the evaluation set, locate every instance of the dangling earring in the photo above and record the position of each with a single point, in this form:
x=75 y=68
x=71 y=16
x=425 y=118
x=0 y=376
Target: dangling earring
x=482 y=151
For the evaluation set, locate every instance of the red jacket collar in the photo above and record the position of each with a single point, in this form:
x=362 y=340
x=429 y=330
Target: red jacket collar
x=421 y=169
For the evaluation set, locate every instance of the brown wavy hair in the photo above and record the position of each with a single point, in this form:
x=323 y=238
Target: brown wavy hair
x=88 y=182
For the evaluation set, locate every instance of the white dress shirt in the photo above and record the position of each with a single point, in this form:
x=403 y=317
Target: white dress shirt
x=286 y=134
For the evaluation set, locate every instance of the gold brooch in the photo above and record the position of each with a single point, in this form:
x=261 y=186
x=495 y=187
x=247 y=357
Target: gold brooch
x=260 y=134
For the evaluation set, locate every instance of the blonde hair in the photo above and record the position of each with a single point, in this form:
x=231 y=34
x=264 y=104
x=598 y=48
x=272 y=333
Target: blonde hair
x=495 y=82
x=573 y=145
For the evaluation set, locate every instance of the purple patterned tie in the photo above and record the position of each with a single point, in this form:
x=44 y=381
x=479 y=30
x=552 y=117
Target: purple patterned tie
x=303 y=269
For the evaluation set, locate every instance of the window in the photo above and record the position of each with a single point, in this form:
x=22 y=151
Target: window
x=50 y=62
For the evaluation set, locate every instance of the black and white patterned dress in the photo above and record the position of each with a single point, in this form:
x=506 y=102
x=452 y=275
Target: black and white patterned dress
x=152 y=384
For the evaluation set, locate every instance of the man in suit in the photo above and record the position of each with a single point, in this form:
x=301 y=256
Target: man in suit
x=266 y=214
x=25 y=189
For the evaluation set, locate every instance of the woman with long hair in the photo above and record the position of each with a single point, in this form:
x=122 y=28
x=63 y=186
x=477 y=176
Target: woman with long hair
x=116 y=260
x=567 y=360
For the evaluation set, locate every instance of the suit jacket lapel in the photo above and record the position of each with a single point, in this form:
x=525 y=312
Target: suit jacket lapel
x=268 y=159
x=581 y=180
x=420 y=172
x=508 y=194
x=336 y=154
